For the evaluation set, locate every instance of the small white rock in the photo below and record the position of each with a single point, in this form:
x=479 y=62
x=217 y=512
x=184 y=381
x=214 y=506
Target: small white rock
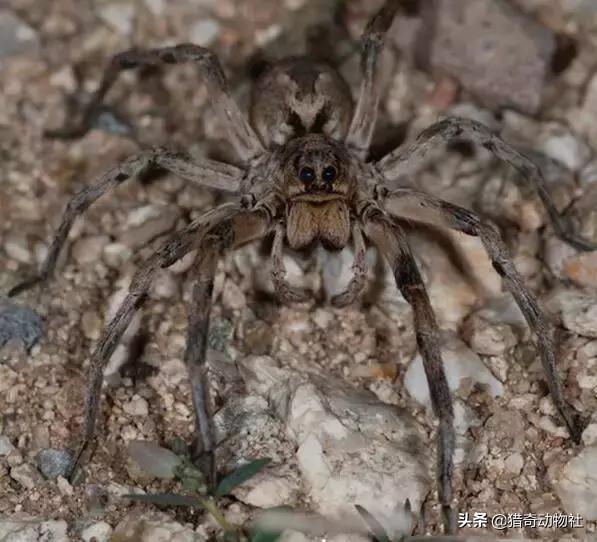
x=576 y=484
x=165 y=285
x=15 y=35
x=64 y=486
x=460 y=363
x=16 y=249
x=269 y=491
x=137 y=406
x=116 y=254
x=91 y=323
x=33 y=530
x=204 y=32
x=323 y=318
x=6 y=447
x=568 y=149
x=577 y=309
x=26 y=475
x=98 y=532
x=514 y=463
x=156 y=527
x=232 y=296
x=351 y=448
x=157 y=7
x=89 y=249
x=589 y=435
x=119 y=16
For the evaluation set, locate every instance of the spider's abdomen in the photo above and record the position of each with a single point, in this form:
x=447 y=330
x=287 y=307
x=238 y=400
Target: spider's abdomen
x=298 y=96
x=326 y=222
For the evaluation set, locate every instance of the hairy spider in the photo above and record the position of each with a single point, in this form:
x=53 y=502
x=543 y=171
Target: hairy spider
x=305 y=179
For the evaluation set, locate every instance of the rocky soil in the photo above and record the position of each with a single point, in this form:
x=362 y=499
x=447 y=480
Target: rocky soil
x=335 y=397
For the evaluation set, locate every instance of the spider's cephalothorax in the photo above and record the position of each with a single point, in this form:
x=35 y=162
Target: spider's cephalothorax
x=318 y=187
x=305 y=179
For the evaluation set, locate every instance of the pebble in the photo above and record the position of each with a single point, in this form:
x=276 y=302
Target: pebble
x=578 y=310
x=53 y=462
x=153 y=527
x=567 y=149
x=16 y=36
x=116 y=254
x=137 y=406
x=204 y=32
x=118 y=15
x=14 y=459
x=267 y=490
x=33 y=530
x=88 y=250
x=558 y=256
x=589 y=435
x=6 y=447
x=157 y=7
x=467 y=37
x=258 y=338
x=40 y=437
x=514 y=463
x=165 y=285
x=586 y=114
x=488 y=338
x=26 y=475
x=576 y=484
x=461 y=364
x=65 y=79
x=588 y=175
x=19 y=323
x=232 y=296
x=98 y=532
x=323 y=318
x=16 y=248
x=91 y=324
x=582 y=269
x=64 y=486
x=351 y=447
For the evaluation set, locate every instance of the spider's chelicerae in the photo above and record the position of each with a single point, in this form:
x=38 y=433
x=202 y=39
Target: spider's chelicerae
x=305 y=180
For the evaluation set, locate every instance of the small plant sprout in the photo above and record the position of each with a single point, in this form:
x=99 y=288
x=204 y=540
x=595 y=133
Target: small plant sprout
x=164 y=463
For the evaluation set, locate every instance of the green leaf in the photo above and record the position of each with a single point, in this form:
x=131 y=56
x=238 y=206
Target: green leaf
x=240 y=475
x=231 y=536
x=165 y=499
x=375 y=527
x=191 y=477
x=180 y=447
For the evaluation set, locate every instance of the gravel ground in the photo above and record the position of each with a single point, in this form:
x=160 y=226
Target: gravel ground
x=514 y=455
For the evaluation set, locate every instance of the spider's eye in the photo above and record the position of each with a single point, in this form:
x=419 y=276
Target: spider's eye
x=307 y=174
x=329 y=174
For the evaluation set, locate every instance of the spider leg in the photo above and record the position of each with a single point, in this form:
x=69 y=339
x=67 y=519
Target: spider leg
x=372 y=42
x=392 y=243
x=424 y=208
x=201 y=171
x=284 y=290
x=223 y=227
x=242 y=135
x=359 y=269
x=403 y=160
x=195 y=354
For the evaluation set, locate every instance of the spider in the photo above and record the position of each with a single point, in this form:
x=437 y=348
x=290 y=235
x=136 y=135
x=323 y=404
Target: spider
x=305 y=180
